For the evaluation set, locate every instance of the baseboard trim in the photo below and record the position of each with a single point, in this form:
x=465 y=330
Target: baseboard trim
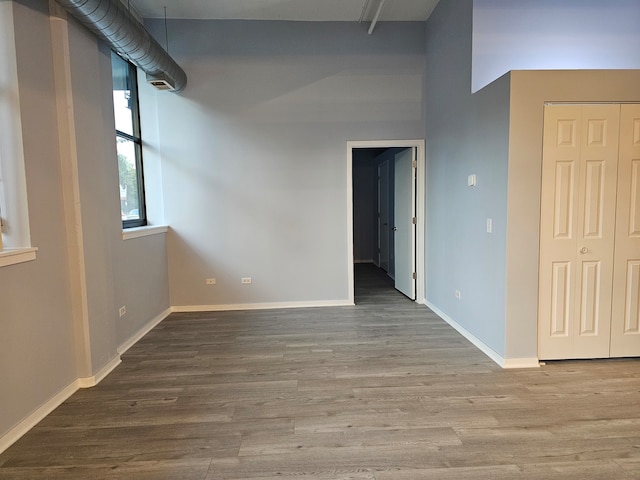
x=260 y=306
x=136 y=337
x=88 y=382
x=483 y=347
x=13 y=435
x=525 y=362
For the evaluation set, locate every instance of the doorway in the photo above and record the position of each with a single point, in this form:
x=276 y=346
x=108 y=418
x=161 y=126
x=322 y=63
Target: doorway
x=407 y=156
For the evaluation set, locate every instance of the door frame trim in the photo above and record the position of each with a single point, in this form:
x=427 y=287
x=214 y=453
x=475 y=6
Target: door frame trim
x=421 y=176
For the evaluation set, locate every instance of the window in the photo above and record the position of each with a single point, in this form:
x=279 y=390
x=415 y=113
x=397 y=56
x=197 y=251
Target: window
x=128 y=142
x=14 y=214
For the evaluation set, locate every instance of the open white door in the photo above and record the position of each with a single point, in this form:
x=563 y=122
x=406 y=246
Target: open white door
x=404 y=222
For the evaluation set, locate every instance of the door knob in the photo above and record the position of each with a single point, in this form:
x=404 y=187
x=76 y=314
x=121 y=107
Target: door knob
x=584 y=250
x=395 y=229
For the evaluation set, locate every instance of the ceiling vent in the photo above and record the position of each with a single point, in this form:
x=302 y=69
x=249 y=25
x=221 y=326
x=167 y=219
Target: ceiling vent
x=161 y=82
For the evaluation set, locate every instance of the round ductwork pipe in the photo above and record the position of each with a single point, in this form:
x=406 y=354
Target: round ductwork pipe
x=111 y=21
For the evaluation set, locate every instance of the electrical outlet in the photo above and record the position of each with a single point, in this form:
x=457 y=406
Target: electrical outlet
x=245 y=280
x=210 y=281
x=122 y=311
x=458 y=294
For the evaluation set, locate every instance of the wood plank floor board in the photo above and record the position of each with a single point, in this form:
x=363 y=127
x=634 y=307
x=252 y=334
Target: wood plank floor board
x=326 y=459
x=383 y=390
x=282 y=444
x=166 y=470
x=124 y=452
x=630 y=465
x=569 y=471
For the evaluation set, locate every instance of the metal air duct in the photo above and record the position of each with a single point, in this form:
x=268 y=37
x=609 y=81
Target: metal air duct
x=111 y=21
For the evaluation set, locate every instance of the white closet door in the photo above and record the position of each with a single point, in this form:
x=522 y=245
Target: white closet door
x=625 y=327
x=579 y=174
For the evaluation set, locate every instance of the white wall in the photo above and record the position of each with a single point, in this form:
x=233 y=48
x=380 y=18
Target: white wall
x=552 y=35
x=465 y=134
x=254 y=150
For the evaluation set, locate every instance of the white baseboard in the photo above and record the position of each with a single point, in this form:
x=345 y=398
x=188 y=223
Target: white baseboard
x=260 y=306
x=525 y=362
x=135 y=338
x=88 y=382
x=13 y=435
x=483 y=347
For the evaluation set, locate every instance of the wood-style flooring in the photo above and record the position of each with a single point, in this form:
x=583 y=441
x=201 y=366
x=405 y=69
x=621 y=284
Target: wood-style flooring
x=380 y=391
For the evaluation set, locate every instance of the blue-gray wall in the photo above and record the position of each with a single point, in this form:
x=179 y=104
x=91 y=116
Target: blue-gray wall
x=465 y=134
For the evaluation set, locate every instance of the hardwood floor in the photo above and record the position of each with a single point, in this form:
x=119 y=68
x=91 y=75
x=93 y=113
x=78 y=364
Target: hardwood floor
x=383 y=390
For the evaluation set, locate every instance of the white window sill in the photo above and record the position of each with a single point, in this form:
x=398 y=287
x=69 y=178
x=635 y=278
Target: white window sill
x=138 y=232
x=12 y=256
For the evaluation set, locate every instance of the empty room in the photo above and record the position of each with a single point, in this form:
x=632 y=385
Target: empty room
x=337 y=239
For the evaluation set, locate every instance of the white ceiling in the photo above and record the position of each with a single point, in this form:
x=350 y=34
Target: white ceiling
x=302 y=10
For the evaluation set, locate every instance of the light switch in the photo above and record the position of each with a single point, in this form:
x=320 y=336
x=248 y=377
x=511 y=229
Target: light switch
x=471 y=180
x=489 y=225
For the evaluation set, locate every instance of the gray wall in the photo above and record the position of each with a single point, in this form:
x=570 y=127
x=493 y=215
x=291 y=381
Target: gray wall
x=59 y=321
x=465 y=134
x=254 y=150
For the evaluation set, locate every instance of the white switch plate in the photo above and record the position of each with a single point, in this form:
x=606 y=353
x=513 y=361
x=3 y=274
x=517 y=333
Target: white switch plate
x=245 y=280
x=122 y=311
x=489 y=225
x=457 y=294
x=210 y=281
x=471 y=180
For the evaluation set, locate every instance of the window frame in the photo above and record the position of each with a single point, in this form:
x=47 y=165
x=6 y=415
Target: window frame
x=136 y=139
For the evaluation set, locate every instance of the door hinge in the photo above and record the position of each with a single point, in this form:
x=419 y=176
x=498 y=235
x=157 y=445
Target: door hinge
x=414 y=220
x=414 y=164
x=414 y=276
